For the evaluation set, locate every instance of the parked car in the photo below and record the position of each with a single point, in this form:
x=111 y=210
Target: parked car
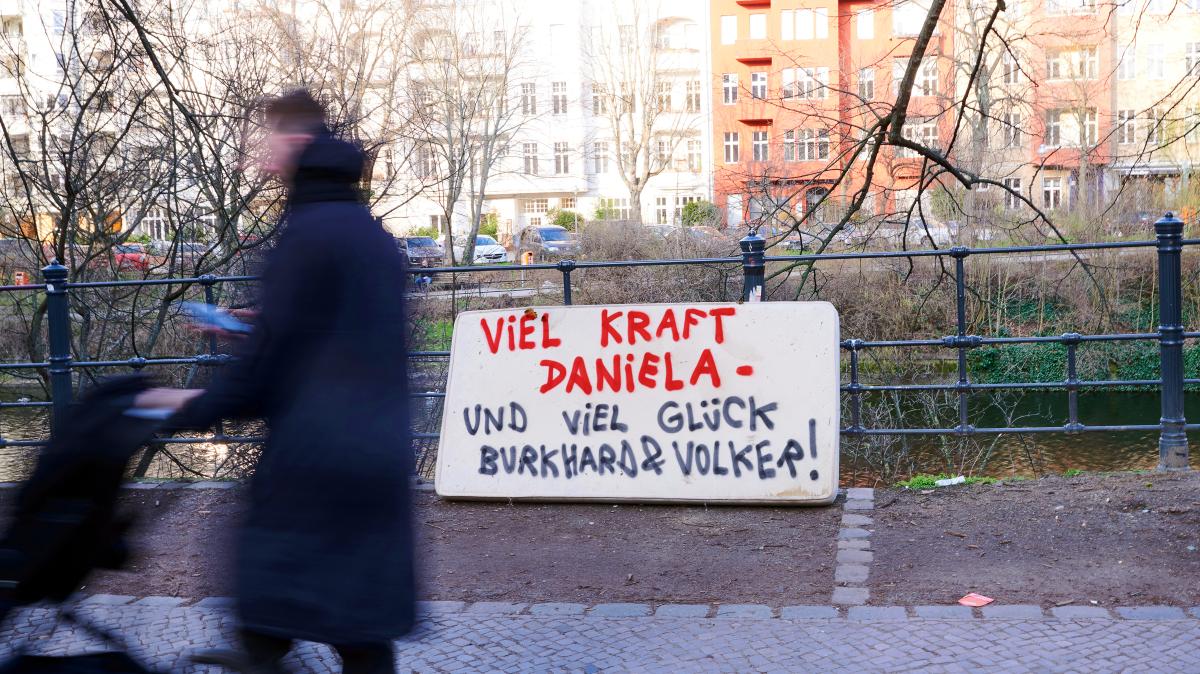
x=186 y=253
x=661 y=231
x=131 y=256
x=546 y=242
x=487 y=250
x=422 y=251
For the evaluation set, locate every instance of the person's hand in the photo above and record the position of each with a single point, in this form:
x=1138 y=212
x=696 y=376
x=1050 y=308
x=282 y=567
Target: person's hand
x=166 y=398
x=245 y=315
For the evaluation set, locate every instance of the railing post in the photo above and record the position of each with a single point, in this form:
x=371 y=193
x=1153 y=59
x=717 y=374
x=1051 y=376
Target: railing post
x=566 y=267
x=753 y=266
x=1172 y=440
x=58 y=327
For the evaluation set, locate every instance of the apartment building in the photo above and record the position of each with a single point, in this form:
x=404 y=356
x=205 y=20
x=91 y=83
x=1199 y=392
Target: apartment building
x=799 y=84
x=607 y=96
x=1082 y=102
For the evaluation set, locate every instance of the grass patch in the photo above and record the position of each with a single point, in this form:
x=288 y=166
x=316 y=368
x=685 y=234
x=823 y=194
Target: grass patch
x=1074 y=472
x=433 y=335
x=924 y=481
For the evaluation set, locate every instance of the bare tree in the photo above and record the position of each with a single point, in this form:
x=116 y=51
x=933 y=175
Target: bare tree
x=464 y=63
x=632 y=74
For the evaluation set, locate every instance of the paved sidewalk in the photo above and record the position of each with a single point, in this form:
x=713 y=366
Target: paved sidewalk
x=488 y=638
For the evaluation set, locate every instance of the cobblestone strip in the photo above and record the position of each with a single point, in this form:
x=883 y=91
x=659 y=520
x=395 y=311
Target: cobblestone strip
x=453 y=638
x=854 y=554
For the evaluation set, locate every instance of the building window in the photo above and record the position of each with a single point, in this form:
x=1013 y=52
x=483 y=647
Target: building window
x=660 y=210
x=558 y=97
x=729 y=88
x=1091 y=127
x=528 y=98
x=426 y=164
x=1191 y=58
x=805 y=82
x=1051 y=193
x=599 y=100
x=529 y=152
x=758 y=26
x=566 y=203
x=865 y=23
x=562 y=158
x=922 y=132
x=533 y=206
x=926 y=83
x=811 y=24
x=729 y=29
x=732 y=148
x=663 y=96
x=1011 y=73
x=1157 y=133
x=813 y=144
x=866 y=84
x=1156 y=67
x=615 y=209
x=156 y=225
x=787 y=24
x=1127 y=69
x=927 y=79
x=1012 y=130
x=758 y=85
x=437 y=222
x=600 y=156
x=1191 y=132
x=1012 y=201
x=663 y=151
x=759 y=146
x=693 y=96
x=907 y=18
x=1079 y=64
x=789 y=146
x=1053 y=137
x=1126 y=126
x=695 y=158
x=12 y=107
x=733 y=210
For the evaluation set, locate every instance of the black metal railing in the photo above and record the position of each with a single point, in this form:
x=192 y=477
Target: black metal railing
x=1171 y=335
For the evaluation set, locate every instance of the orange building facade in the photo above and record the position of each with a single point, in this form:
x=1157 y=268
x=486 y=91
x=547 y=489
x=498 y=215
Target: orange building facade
x=798 y=85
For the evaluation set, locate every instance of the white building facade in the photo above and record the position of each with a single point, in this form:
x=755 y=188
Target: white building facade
x=564 y=156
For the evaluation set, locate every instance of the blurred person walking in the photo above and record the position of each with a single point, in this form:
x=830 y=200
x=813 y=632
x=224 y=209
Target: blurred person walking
x=326 y=549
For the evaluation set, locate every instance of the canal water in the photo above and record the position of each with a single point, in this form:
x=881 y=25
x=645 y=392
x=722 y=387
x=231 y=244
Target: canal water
x=1010 y=455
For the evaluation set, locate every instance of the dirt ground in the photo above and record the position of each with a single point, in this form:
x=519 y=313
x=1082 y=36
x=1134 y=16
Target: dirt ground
x=1124 y=539
x=524 y=552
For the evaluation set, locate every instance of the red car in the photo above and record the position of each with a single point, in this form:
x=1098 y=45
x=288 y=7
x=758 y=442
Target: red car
x=131 y=256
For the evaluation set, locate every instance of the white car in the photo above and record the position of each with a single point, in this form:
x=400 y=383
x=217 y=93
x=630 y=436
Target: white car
x=487 y=250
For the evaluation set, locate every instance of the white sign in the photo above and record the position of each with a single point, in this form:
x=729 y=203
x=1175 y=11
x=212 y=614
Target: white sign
x=656 y=402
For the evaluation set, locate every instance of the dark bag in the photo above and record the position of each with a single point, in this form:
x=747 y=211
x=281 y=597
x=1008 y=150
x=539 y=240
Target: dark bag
x=65 y=522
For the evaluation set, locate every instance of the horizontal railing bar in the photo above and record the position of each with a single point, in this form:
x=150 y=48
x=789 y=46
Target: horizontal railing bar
x=1032 y=385
x=1015 y=430
x=160 y=281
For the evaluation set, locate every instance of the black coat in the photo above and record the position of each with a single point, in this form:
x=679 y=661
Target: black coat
x=326 y=550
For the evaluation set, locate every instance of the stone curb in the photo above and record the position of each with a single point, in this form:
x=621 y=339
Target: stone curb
x=852 y=567
x=708 y=611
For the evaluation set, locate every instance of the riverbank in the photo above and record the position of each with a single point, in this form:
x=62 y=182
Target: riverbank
x=1090 y=540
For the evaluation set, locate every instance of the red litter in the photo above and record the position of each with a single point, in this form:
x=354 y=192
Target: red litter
x=973 y=599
